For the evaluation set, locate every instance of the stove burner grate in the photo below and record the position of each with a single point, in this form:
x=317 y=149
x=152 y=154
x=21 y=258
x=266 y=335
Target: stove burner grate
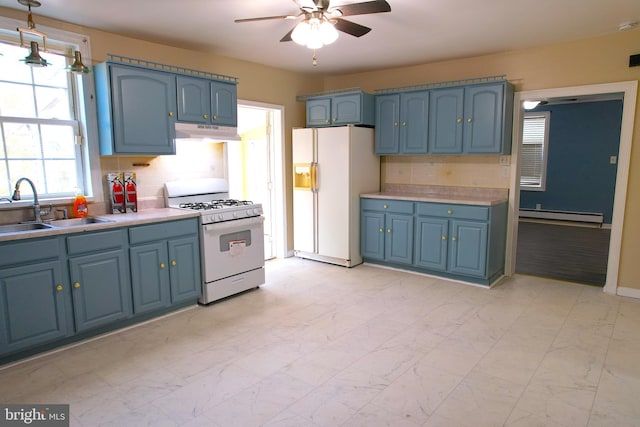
x=215 y=204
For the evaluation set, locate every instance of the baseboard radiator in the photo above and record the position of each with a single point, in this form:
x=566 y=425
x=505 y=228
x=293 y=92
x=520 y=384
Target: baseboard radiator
x=595 y=218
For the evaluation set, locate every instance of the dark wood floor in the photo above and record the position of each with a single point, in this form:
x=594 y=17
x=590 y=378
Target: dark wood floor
x=573 y=254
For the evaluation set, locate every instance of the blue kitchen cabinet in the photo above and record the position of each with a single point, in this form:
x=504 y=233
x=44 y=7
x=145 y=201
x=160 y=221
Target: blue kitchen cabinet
x=387 y=134
x=468 y=248
x=473 y=119
x=165 y=264
x=387 y=230
x=33 y=295
x=356 y=108
x=431 y=243
x=445 y=121
x=402 y=123
x=99 y=278
x=136 y=110
x=207 y=101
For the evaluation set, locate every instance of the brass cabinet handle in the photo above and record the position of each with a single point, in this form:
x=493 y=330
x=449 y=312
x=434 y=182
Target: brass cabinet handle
x=76 y=285
x=404 y=123
x=326 y=120
x=469 y=120
x=170 y=113
x=59 y=288
x=444 y=237
x=205 y=116
x=395 y=123
x=454 y=238
x=173 y=263
x=215 y=117
x=381 y=230
x=385 y=206
x=459 y=120
x=449 y=211
x=162 y=265
x=388 y=230
x=335 y=119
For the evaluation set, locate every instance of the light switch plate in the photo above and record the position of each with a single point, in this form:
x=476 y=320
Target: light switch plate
x=613 y=160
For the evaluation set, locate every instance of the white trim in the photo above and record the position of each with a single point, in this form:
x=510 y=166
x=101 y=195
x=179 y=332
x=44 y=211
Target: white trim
x=628 y=292
x=562 y=216
x=279 y=172
x=629 y=89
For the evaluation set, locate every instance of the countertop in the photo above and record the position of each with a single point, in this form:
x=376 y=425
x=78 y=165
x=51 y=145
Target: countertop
x=145 y=216
x=441 y=194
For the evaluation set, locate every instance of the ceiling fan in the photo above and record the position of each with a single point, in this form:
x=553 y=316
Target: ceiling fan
x=318 y=12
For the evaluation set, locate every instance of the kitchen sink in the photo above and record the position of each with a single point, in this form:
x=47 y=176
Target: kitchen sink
x=29 y=226
x=74 y=222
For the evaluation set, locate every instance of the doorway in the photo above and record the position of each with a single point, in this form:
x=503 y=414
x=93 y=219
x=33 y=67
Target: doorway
x=629 y=91
x=256 y=168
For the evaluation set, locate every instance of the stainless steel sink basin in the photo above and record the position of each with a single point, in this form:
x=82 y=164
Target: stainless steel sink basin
x=29 y=226
x=74 y=222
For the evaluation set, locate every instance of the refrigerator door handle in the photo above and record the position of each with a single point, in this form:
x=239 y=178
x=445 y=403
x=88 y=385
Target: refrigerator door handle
x=314 y=177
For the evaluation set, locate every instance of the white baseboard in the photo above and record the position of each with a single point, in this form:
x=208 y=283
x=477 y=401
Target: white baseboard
x=628 y=292
x=562 y=216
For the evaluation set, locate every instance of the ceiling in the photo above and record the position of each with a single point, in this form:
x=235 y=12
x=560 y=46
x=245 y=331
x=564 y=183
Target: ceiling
x=414 y=32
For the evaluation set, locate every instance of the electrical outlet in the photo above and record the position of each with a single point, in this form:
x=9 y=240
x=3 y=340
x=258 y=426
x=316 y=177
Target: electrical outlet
x=505 y=160
x=613 y=160
x=538 y=206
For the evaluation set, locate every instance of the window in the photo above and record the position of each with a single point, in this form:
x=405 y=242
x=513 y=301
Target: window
x=41 y=121
x=535 y=142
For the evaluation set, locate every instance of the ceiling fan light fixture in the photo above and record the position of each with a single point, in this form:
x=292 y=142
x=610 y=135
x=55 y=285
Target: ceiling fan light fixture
x=314 y=32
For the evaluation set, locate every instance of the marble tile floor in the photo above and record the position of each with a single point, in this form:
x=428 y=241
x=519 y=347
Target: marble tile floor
x=321 y=345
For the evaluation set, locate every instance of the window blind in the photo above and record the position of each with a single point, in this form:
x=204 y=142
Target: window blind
x=533 y=150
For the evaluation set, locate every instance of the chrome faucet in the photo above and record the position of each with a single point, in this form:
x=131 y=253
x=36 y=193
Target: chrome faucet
x=36 y=204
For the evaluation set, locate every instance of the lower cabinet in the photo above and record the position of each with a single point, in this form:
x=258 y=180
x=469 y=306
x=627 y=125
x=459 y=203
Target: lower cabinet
x=99 y=273
x=165 y=264
x=465 y=242
x=387 y=230
x=33 y=306
x=59 y=289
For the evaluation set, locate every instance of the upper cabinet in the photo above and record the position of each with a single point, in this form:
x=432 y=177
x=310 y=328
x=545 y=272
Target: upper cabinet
x=136 y=110
x=139 y=102
x=207 y=101
x=402 y=123
x=356 y=108
x=467 y=119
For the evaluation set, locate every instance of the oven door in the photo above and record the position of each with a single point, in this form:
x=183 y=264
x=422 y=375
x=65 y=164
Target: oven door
x=232 y=247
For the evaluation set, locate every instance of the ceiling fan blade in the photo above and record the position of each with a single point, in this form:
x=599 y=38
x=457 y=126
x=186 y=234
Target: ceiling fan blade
x=376 y=6
x=266 y=18
x=352 y=28
x=287 y=37
x=306 y=5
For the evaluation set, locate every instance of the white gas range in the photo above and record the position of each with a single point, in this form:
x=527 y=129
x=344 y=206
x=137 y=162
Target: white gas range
x=231 y=237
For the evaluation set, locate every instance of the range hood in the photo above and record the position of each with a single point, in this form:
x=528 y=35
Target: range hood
x=206 y=133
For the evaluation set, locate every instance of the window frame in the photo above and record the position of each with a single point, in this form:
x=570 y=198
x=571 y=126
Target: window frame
x=545 y=151
x=83 y=93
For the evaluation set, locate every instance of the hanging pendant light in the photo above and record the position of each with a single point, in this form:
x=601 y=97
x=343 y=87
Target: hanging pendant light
x=78 y=67
x=31 y=26
x=34 y=59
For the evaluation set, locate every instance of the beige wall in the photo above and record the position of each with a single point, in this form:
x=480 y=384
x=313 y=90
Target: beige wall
x=594 y=61
x=600 y=60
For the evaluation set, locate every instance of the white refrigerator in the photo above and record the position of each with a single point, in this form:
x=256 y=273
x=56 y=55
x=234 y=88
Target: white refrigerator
x=331 y=168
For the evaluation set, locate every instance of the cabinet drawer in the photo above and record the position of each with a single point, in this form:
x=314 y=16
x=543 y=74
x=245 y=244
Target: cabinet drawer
x=98 y=241
x=383 y=205
x=162 y=230
x=480 y=213
x=28 y=250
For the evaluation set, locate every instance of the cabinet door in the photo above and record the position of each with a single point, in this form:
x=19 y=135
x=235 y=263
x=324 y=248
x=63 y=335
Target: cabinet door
x=184 y=269
x=399 y=238
x=150 y=276
x=194 y=100
x=387 y=119
x=144 y=107
x=468 y=248
x=100 y=288
x=483 y=118
x=346 y=109
x=414 y=116
x=32 y=306
x=372 y=235
x=224 y=104
x=319 y=112
x=431 y=243
x=445 y=121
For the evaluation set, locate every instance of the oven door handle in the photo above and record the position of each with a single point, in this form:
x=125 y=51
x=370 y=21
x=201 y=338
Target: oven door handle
x=235 y=224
